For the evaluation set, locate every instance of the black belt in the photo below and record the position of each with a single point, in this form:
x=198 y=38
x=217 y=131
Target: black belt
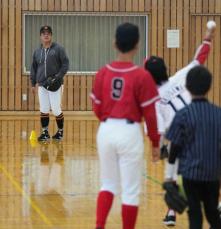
x=128 y=121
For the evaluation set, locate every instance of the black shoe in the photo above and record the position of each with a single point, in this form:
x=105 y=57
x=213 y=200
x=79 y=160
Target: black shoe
x=169 y=220
x=58 y=136
x=44 y=136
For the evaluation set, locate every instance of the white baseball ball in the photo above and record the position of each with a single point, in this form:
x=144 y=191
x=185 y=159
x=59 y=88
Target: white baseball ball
x=211 y=24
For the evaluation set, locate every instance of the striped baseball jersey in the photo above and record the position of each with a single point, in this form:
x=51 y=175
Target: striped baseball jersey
x=174 y=94
x=196 y=129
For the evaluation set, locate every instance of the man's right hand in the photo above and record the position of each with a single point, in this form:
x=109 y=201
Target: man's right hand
x=34 y=89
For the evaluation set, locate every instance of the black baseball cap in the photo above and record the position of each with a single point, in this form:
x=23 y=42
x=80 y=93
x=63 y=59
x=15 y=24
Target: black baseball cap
x=46 y=28
x=157 y=67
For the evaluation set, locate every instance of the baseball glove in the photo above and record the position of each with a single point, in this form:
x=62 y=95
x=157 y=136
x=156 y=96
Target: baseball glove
x=52 y=83
x=173 y=198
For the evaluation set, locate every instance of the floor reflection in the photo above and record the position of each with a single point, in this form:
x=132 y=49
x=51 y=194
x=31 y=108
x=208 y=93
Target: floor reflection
x=54 y=185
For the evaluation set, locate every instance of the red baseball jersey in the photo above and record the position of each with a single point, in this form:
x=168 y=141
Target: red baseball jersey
x=123 y=90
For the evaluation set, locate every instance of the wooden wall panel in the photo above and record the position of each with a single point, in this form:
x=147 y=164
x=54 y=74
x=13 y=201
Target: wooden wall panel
x=51 y=5
x=70 y=92
x=217 y=6
x=212 y=5
x=153 y=27
x=141 y=6
x=160 y=21
x=173 y=25
x=116 y=5
x=205 y=6
x=97 y=5
x=166 y=22
x=89 y=86
x=103 y=5
x=83 y=5
x=109 y=5
x=128 y=5
x=83 y=94
x=38 y=5
x=24 y=90
x=31 y=5
x=163 y=15
x=148 y=5
x=77 y=5
x=122 y=5
x=1 y=55
x=179 y=63
x=44 y=3
x=77 y=92
x=186 y=28
x=25 y=4
x=64 y=5
x=4 y=54
x=135 y=5
x=90 y=5
x=57 y=5
x=18 y=57
x=11 y=52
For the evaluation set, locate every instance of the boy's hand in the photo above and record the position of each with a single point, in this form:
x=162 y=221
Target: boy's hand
x=155 y=154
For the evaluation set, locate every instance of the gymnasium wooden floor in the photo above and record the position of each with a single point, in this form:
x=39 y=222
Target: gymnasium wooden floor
x=55 y=185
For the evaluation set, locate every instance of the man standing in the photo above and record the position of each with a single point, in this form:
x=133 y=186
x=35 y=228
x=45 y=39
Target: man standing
x=122 y=94
x=50 y=64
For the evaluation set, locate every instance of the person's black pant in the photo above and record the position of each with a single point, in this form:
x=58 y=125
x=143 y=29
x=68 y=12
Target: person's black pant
x=206 y=192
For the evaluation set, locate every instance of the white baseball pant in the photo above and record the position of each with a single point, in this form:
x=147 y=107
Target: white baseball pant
x=50 y=100
x=120 y=148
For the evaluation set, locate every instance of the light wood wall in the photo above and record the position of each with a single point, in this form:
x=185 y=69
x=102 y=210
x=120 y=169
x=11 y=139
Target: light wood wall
x=189 y=16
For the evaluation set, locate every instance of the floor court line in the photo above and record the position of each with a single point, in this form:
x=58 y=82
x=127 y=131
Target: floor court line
x=154 y=180
x=19 y=189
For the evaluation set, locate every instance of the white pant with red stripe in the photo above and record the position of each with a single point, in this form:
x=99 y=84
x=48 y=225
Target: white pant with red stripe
x=50 y=100
x=120 y=148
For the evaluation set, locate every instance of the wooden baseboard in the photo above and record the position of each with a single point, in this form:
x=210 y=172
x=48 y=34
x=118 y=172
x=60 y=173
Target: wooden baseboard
x=24 y=115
